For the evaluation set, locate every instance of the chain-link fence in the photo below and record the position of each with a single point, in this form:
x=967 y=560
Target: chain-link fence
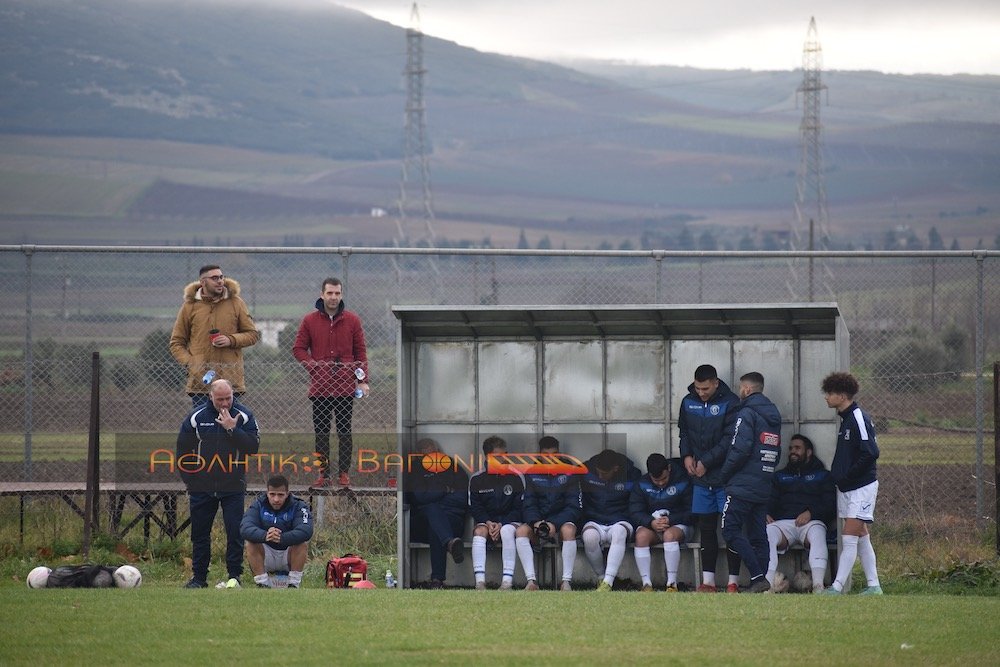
x=924 y=332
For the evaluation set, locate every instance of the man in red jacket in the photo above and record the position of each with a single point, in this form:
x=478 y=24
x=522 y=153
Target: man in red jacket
x=331 y=345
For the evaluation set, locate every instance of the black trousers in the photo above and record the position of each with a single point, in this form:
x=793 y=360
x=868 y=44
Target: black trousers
x=339 y=411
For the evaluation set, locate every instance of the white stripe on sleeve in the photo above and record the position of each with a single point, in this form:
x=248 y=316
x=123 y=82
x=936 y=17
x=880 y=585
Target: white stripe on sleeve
x=859 y=419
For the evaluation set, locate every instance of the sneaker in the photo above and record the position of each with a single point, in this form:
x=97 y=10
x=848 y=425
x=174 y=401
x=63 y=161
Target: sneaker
x=831 y=591
x=196 y=583
x=480 y=585
x=565 y=586
x=263 y=586
x=232 y=582
x=532 y=585
x=507 y=585
x=706 y=588
x=671 y=588
x=871 y=590
x=343 y=479
x=293 y=585
x=647 y=588
x=818 y=588
x=733 y=588
x=603 y=587
x=760 y=585
x=321 y=482
x=457 y=549
x=435 y=584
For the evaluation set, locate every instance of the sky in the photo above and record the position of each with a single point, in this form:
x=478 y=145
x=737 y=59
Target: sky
x=894 y=36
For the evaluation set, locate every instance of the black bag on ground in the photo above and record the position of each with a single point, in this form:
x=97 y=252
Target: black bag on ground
x=81 y=576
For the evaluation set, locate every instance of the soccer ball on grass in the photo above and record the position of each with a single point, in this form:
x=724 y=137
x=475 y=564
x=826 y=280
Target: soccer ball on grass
x=38 y=577
x=127 y=576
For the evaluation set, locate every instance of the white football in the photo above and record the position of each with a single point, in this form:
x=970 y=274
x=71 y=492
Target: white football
x=127 y=576
x=780 y=584
x=38 y=577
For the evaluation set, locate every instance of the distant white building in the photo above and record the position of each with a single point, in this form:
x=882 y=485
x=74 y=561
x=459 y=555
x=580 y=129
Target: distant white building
x=269 y=330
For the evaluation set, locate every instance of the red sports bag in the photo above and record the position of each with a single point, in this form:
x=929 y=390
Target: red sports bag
x=346 y=571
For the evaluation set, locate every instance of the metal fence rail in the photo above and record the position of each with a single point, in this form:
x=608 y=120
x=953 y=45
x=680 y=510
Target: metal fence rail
x=925 y=328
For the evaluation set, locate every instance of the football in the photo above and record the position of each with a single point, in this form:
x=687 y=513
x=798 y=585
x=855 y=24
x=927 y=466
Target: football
x=802 y=582
x=780 y=583
x=38 y=577
x=127 y=576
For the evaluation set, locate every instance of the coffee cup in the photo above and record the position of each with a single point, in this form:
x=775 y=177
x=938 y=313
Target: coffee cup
x=213 y=334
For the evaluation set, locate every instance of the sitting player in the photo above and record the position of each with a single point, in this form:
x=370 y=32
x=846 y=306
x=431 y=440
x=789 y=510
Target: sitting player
x=277 y=528
x=802 y=509
x=551 y=502
x=660 y=509
x=495 y=503
x=606 y=488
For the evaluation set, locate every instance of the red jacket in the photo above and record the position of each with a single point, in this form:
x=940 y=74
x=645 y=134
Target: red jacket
x=331 y=348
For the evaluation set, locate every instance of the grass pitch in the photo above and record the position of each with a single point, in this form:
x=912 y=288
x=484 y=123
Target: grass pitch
x=167 y=625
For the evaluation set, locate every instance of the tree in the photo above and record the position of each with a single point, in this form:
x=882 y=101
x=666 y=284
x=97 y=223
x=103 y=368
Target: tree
x=522 y=241
x=954 y=244
x=160 y=365
x=934 y=240
x=707 y=241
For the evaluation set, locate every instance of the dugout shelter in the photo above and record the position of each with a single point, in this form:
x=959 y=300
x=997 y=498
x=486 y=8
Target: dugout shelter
x=596 y=377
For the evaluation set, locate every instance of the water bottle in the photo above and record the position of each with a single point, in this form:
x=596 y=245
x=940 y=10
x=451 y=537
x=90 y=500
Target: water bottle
x=208 y=377
x=358 y=392
x=360 y=374
x=390 y=581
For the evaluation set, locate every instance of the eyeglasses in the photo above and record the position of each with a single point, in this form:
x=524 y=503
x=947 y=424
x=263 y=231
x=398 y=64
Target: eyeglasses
x=218 y=277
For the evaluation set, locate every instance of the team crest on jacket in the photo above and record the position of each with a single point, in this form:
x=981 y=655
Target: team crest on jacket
x=770 y=439
x=671 y=490
x=714 y=410
x=620 y=486
x=508 y=489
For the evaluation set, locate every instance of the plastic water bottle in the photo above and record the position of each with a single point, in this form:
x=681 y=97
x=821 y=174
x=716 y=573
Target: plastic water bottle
x=360 y=374
x=208 y=377
x=390 y=581
x=359 y=392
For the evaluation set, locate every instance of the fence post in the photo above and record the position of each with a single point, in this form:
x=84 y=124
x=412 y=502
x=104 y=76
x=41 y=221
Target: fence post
x=29 y=366
x=980 y=389
x=90 y=509
x=996 y=448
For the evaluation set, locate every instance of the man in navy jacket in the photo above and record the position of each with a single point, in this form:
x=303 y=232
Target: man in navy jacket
x=801 y=509
x=495 y=503
x=277 y=527
x=660 y=509
x=552 y=502
x=437 y=494
x=748 y=472
x=606 y=487
x=213 y=447
x=705 y=424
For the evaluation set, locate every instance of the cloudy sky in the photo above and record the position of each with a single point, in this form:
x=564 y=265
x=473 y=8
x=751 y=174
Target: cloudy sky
x=900 y=36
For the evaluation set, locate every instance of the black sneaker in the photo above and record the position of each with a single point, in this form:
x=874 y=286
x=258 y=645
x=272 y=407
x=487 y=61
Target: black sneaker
x=291 y=585
x=457 y=549
x=196 y=583
x=759 y=585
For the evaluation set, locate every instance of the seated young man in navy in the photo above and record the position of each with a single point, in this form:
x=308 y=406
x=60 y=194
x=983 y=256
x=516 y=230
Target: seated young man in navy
x=802 y=509
x=660 y=508
x=277 y=528
x=495 y=502
x=606 y=489
x=552 y=502
x=438 y=503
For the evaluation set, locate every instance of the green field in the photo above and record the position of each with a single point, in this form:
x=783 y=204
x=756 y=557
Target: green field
x=160 y=625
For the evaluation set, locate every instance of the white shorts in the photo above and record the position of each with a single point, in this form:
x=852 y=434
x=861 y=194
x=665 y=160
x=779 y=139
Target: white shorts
x=605 y=530
x=687 y=530
x=859 y=503
x=795 y=534
x=275 y=560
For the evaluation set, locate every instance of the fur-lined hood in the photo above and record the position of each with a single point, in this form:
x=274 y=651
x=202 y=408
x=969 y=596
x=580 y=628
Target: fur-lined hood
x=191 y=292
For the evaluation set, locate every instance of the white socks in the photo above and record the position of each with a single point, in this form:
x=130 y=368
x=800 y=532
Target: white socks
x=867 y=555
x=848 y=555
x=479 y=558
x=672 y=559
x=817 y=553
x=773 y=537
x=616 y=552
x=294 y=578
x=527 y=556
x=592 y=548
x=508 y=550
x=568 y=559
x=263 y=579
x=642 y=562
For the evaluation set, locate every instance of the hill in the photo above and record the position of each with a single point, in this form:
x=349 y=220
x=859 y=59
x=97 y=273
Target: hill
x=294 y=112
